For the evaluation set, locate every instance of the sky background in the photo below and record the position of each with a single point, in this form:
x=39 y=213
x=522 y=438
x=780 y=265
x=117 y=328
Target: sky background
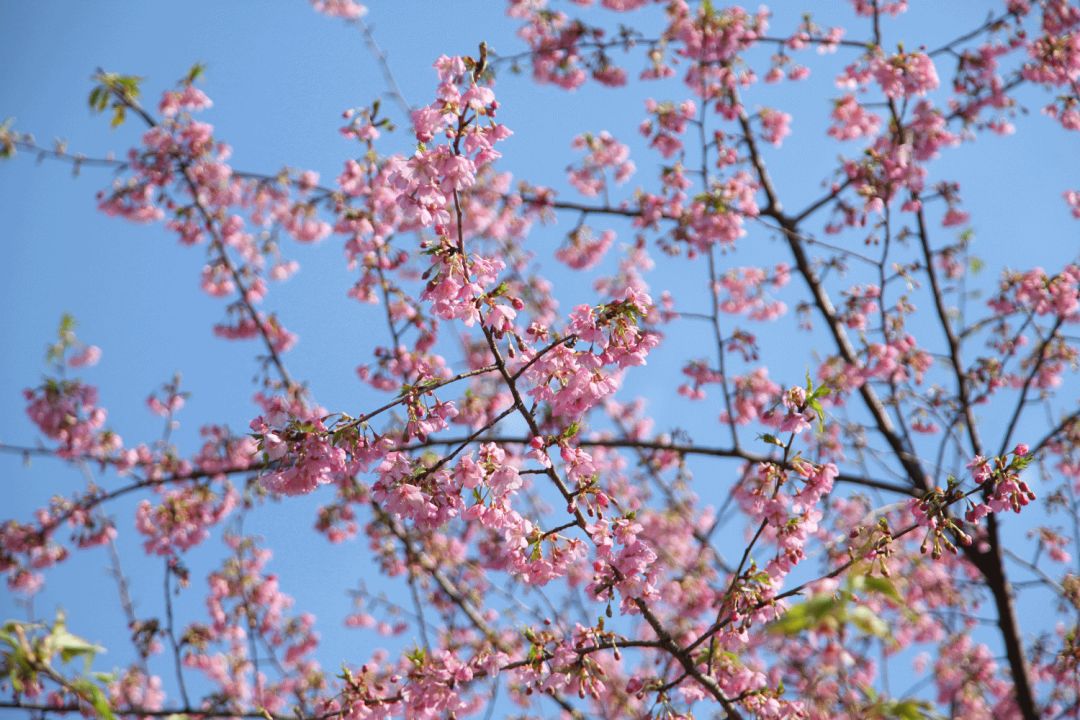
x=280 y=75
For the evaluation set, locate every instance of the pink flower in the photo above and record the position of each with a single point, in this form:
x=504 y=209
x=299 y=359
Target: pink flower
x=954 y=217
x=776 y=125
x=605 y=153
x=345 y=9
x=1072 y=198
x=905 y=74
x=87 y=357
x=584 y=250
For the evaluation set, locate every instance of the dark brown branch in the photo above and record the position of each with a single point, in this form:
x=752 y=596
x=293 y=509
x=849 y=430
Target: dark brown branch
x=990 y=564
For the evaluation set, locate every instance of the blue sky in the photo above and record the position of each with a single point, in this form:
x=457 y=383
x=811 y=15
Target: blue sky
x=280 y=75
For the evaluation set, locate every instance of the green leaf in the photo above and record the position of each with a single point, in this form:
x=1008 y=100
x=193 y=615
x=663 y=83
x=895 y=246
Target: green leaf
x=818 y=610
x=1020 y=462
x=68 y=645
x=814 y=405
x=867 y=620
x=72 y=646
x=882 y=586
x=833 y=611
x=7 y=637
x=96 y=696
x=901 y=710
x=417 y=656
x=197 y=70
x=67 y=325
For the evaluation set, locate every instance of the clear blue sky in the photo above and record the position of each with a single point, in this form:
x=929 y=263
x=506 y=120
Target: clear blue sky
x=280 y=75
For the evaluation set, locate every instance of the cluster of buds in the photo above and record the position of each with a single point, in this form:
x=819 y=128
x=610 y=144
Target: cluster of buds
x=1000 y=479
x=932 y=512
x=876 y=546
